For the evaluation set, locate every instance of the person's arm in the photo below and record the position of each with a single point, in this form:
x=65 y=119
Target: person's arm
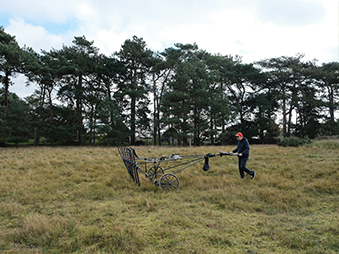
x=246 y=148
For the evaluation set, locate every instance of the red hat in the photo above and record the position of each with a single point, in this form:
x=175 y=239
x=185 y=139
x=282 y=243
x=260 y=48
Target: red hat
x=239 y=134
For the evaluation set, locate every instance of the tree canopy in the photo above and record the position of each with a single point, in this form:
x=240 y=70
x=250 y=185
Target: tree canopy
x=182 y=95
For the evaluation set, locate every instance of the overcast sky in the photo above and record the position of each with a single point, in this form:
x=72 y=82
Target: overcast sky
x=253 y=29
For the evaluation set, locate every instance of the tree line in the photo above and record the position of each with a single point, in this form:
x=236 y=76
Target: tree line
x=183 y=94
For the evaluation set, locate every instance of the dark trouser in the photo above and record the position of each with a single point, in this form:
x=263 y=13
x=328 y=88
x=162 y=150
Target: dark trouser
x=242 y=166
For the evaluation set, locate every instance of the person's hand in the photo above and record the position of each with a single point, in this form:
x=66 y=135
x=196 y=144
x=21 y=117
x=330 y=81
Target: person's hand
x=240 y=154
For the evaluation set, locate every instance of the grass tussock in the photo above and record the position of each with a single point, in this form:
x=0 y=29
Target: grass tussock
x=81 y=200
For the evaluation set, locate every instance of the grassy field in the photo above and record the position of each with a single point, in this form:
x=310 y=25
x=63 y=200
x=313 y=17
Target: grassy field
x=81 y=200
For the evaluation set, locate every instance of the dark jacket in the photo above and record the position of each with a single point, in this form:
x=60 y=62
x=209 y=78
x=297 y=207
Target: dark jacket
x=243 y=147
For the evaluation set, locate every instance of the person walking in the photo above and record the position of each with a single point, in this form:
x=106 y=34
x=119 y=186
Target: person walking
x=243 y=150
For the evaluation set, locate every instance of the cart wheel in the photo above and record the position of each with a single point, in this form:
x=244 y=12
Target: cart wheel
x=155 y=171
x=169 y=182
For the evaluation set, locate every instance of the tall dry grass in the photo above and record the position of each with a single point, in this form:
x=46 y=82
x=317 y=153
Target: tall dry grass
x=81 y=200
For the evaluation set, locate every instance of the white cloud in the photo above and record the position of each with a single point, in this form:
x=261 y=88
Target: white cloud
x=36 y=37
x=295 y=13
x=20 y=88
x=39 y=12
x=253 y=29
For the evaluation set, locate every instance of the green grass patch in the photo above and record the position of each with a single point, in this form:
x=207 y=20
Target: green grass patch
x=81 y=200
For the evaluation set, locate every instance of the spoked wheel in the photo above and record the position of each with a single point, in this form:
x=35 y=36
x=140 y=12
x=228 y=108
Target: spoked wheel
x=155 y=171
x=169 y=182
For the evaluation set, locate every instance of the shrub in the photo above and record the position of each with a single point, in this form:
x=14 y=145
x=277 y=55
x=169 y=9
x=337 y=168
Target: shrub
x=294 y=141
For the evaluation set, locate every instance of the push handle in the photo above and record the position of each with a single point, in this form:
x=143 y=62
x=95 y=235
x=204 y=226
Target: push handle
x=226 y=153
x=206 y=165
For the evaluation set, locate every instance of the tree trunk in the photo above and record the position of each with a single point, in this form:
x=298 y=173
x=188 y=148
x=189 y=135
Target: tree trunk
x=331 y=108
x=133 y=112
x=289 y=122
x=155 y=120
x=37 y=133
x=158 y=126
x=284 y=112
x=212 y=128
x=51 y=115
x=6 y=95
x=78 y=112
